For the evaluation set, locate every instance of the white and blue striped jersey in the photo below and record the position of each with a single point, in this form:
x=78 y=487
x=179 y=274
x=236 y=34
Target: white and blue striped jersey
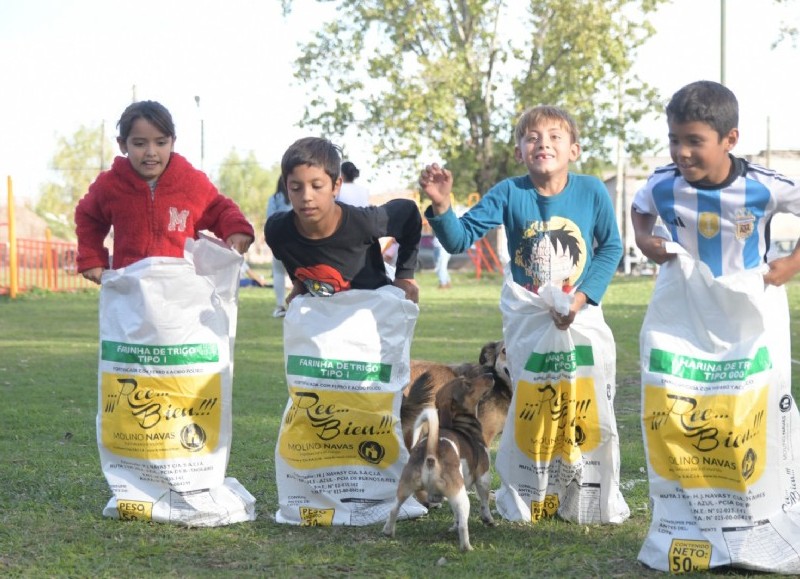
x=728 y=226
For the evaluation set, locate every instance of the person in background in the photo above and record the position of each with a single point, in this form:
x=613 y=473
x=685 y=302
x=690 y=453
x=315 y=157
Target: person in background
x=440 y=261
x=389 y=247
x=249 y=278
x=278 y=203
x=351 y=192
x=153 y=198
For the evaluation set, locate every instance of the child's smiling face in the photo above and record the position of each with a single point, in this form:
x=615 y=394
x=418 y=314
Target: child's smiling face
x=147 y=148
x=313 y=197
x=700 y=153
x=547 y=148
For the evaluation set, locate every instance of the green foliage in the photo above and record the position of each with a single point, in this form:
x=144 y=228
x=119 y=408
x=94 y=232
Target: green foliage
x=435 y=77
x=788 y=31
x=78 y=159
x=53 y=489
x=248 y=183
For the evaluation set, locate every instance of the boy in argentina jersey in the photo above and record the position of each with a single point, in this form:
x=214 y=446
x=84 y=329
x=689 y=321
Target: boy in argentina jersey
x=560 y=225
x=717 y=206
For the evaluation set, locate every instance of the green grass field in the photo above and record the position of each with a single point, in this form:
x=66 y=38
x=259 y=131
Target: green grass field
x=53 y=491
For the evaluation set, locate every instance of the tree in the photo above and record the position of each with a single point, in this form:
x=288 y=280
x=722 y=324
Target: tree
x=249 y=184
x=788 y=31
x=451 y=76
x=77 y=161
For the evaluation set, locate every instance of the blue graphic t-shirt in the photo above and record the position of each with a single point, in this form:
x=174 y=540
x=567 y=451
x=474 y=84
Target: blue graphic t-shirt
x=570 y=239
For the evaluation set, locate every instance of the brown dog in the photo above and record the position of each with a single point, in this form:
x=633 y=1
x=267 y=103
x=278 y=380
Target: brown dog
x=452 y=458
x=427 y=378
x=493 y=408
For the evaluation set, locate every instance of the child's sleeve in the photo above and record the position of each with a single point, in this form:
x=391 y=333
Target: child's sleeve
x=643 y=201
x=786 y=192
x=224 y=218
x=607 y=252
x=91 y=228
x=459 y=234
x=405 y=225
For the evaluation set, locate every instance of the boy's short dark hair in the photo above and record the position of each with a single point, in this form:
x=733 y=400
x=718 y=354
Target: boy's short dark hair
x=315 y=152
x=535 y=115
x=707 y=102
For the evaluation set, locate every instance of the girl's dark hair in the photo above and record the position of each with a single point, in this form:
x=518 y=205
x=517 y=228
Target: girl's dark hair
x=350 y=172
x=156 y=113
x=315 y=152
x=707 y=102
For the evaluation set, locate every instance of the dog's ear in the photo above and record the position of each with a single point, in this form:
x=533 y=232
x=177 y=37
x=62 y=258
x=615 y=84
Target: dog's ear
x=488 y=354
x=478 y=387
x=460 y=391
x=450 y=400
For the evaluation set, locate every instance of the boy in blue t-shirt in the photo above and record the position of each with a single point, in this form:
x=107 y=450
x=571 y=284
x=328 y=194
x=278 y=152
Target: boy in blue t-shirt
x=560 y=226
x=716 y=206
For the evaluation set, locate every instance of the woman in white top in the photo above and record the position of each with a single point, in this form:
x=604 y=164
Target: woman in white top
x=350 y=192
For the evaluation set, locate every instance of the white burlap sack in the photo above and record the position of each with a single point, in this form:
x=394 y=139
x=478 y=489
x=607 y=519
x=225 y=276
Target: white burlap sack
x=559 y=451
x=340 y=449
x=167 y=329
x=719 y=423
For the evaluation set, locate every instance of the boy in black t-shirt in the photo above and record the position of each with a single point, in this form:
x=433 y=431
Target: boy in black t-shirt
x=329 y=247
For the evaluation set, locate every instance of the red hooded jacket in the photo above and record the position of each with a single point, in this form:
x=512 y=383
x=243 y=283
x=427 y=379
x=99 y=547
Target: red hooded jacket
x=149 y=224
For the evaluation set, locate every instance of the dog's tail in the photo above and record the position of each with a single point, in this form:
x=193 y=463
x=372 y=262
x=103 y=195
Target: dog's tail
x=431 y=417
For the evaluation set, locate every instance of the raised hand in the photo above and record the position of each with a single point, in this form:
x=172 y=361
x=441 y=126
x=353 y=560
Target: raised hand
x=437 y=183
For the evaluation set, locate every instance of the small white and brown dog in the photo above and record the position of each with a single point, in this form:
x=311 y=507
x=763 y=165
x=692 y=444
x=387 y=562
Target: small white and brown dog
x=452 y=458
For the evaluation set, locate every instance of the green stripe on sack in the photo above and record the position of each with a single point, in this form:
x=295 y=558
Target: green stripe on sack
x=700 y=370
x=560 y=361
x=338 y=369
x=175 y=355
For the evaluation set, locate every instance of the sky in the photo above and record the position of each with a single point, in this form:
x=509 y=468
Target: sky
x=68 y=63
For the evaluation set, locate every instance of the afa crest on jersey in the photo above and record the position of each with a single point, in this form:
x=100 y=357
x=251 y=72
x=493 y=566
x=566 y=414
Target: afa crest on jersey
x=744 y=224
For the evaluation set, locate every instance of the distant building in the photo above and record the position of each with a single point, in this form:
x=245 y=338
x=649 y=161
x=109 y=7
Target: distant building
x=28 y=224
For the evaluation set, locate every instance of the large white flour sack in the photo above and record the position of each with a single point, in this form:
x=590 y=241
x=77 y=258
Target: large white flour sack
x=559 y=451
x=340 y=449
x=167 y=329
x=720 y=426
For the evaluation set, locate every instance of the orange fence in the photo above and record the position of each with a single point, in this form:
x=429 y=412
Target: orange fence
x=484 y=257
x=41 y=264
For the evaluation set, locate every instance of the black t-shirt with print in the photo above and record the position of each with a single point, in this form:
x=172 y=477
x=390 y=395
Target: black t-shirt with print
x=351 y=257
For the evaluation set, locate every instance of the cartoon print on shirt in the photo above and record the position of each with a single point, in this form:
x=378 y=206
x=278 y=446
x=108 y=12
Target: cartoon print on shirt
x=321 y=280
x=552 y=253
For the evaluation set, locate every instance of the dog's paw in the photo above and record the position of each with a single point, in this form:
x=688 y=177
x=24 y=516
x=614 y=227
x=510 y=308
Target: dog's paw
x=388 y=530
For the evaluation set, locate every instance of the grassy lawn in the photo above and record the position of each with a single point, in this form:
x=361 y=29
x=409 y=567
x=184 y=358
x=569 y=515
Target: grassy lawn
x=53 y=491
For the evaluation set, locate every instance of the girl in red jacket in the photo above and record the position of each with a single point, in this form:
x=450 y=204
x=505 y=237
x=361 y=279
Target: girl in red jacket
x=153 y=198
